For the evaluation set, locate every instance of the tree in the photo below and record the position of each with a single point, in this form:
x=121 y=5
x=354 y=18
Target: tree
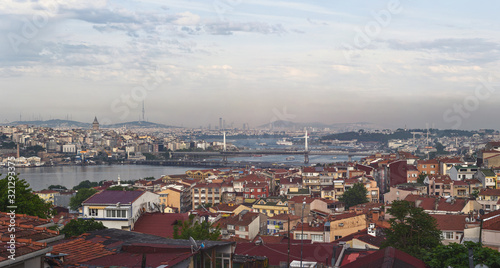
x=86 y=184
x=412 y=229
x=120 y=188
x=80 y=226
x=20 y=195
x=355 y=195
x=76 y=201
x=421 y=178
x=457 y=255
x=57 y=187
x=196 y=230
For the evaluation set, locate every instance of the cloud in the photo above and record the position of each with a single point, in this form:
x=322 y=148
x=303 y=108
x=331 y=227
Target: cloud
x=228 y=28
x=187 y=18
x=453 y=51
x=454 y=69
x=448 y=45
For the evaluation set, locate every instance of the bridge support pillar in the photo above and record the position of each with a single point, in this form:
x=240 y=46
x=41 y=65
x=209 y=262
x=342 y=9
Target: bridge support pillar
x=224 y=158
x=306 y=158
x=349 y=158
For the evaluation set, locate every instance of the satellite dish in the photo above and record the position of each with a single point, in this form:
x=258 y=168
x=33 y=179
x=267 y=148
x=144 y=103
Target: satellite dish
x=481 y=211
x=194 y=245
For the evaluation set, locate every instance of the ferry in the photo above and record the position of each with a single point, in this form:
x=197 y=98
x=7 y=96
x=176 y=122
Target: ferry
x=290 y=158
x=284 y=142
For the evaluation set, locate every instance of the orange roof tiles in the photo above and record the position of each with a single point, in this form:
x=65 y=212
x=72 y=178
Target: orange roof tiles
x=80 y=250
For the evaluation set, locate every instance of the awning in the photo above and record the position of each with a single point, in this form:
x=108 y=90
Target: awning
x=97 y=207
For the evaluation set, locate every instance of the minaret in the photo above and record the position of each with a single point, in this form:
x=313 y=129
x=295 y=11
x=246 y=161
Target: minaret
x=306 y=141
x=119 y=180
x=95 y=124
x=224 y=141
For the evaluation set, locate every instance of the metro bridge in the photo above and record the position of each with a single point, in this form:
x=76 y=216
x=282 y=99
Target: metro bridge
x=225 y=154
x=306 y=152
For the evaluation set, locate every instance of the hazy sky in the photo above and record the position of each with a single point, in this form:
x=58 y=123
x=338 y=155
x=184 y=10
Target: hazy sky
x=392 y=63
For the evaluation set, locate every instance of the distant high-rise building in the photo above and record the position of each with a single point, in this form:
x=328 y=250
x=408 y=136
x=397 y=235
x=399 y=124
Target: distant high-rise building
x=220 y=122
x=95 y=124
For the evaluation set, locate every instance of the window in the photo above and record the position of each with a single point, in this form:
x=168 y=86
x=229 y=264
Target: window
x=338 y=237
x=448 y=235
x=424 y=166
x=116 y=213
x=93 y=212
x=316 y=237
x=242 y=228
x=230 y=227
x=258 y=190
x=300 y=237
x=433 y=166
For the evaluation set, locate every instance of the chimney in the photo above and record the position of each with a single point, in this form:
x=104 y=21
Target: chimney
x=436 y=204
x=17 y=155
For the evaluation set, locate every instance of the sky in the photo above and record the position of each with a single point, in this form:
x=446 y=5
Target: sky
x=392 y=63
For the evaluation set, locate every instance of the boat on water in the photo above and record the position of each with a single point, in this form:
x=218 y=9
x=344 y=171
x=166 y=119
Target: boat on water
x=256 y=155
x=290 y=158
x=284 y=142
x=262 y=144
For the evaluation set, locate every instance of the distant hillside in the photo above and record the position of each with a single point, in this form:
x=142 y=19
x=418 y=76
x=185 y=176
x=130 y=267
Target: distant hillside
x=403 y=134
x=53 y=123
x=281 y=124
x=138 y=124
x=58 y=123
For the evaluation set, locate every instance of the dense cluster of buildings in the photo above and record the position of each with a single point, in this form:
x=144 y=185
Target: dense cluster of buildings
x=262 y=210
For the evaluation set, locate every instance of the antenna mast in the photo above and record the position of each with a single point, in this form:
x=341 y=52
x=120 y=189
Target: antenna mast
x=143 y=111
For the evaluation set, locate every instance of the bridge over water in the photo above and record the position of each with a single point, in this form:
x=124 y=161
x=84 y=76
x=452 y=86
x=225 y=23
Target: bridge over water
x=306 y=152
x=226 y=154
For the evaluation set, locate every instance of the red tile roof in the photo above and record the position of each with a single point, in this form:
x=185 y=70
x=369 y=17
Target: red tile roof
x=428 y=162
x=450 y=222
x=277 y=253
x=343 y=216
x=156 y=256
x=490 y=192
x=387 y=257
x=80 y=250
x=429 y=203
x=300 y=199
x=491 y=221
x=238 y=220
x=270 y=239
x=160 y=224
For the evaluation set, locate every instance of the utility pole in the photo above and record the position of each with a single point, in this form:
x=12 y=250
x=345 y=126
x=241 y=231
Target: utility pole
x=302 y=235
x=288 y=262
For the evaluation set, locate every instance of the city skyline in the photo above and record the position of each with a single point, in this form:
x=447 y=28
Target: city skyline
x=391 y=63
